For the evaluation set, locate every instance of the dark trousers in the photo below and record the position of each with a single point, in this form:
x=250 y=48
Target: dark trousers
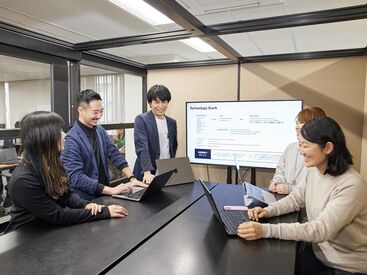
x=308 y=264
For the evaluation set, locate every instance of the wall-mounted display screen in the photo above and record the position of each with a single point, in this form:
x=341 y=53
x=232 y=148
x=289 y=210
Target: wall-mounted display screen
x=252 y=133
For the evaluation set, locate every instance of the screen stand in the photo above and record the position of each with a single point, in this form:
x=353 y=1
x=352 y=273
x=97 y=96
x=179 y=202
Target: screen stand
x=229 y=174
x=253 y=176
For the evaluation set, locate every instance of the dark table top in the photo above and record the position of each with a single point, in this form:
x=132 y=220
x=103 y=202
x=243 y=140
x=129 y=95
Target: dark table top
x=195 y=243
x=90 y=248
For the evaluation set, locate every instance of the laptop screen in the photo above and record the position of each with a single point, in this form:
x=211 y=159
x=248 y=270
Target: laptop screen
x=209 y=196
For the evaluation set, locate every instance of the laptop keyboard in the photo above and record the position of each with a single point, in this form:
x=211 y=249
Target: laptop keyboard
x=137 y=194
x=232 y=219
x=254 y=192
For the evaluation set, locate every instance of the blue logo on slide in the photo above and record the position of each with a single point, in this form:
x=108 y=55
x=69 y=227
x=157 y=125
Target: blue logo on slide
x=203 y=154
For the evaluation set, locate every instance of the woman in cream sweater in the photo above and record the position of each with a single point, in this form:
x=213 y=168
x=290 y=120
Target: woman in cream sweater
x=335 y=198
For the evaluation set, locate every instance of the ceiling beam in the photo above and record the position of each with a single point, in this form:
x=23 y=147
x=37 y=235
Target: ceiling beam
x=185 y=19
x=186 y=64
x=132 y=40
x=262 y=58
x=18 y=37
x=114 y=62
x=305 y=55
x=292 y=20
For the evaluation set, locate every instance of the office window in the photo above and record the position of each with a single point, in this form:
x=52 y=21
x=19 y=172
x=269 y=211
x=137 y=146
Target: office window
x=121 y=93
x=25 y=87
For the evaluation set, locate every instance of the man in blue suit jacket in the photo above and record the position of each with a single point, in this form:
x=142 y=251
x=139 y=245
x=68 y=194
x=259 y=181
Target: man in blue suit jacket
x=155 y=134
x=87 y=150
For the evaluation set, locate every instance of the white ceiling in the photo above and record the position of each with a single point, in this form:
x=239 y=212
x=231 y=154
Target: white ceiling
x=15 y=69
x=86 y=20
x=222 y=11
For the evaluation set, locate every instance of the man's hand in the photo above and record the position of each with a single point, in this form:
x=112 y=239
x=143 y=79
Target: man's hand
x=148 y=177
x=136 y=183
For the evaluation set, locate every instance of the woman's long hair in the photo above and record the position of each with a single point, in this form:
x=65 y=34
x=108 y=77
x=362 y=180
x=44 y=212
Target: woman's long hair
x=41 y=138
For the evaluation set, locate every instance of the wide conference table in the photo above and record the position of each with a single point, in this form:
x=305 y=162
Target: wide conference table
x=172 y=232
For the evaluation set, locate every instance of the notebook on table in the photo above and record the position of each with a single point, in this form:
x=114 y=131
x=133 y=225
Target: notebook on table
x=140 y=193
x=184 y=171
x=229 y=219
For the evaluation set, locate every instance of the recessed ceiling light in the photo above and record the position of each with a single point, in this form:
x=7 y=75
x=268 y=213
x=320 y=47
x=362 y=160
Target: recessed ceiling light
x=198 y=44
x=143 y=11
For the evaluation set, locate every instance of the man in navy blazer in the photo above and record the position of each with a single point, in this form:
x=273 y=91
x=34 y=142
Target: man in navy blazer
x=87 y=150
x=155 y=134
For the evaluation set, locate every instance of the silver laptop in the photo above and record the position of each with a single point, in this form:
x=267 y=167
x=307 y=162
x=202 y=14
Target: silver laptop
x=184 y=171
x=140 y=193
x=230 y=219
x=8 y=156
x=253 y=191
x=259 y=194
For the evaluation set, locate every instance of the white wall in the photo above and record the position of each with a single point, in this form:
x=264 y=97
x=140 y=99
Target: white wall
x=132 y=106
x=2 y=103
x=28 y=96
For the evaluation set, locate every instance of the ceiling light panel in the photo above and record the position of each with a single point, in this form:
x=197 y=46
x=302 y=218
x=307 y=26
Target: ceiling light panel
x=143 y=11
x=163 y=52
x=76 y=20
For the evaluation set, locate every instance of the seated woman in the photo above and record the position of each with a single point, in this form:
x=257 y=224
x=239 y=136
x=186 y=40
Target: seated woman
x=335 y=198
x=39 y=188
x=290 y=168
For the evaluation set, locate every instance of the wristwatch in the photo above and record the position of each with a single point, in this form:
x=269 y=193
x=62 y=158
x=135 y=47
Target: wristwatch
x=131 y=177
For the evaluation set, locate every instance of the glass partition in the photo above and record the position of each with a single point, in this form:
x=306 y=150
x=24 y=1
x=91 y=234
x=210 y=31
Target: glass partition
x=25 y=87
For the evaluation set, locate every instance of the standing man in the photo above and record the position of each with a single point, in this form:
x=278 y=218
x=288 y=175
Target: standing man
x=87 y=150
x=155 y=134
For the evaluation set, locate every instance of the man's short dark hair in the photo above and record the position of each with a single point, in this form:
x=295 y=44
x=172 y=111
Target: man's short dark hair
x=158 y=92
x=323 y=130
x=86 y=96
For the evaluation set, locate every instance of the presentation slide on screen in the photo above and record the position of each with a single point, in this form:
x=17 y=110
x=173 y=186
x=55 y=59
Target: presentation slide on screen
x=249 y=133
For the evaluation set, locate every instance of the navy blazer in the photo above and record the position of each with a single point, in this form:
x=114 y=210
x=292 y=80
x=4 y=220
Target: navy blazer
x=147 y=142
x=80 y=162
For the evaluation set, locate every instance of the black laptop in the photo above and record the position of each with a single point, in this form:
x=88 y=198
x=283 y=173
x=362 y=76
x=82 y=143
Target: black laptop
x=230 y=219
x=184 y=171
x=140 y=193
x=8 y=156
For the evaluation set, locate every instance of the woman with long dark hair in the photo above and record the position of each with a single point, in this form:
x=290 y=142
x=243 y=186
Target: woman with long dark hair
x=334 y=195
x=39 y=187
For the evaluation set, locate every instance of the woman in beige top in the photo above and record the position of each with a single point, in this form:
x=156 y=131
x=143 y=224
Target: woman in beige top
x=290 y=168
x=334 y=195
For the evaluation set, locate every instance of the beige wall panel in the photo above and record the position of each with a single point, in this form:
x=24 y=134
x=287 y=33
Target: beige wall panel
x=337 y=85
x=364 y=141
x=196 y=84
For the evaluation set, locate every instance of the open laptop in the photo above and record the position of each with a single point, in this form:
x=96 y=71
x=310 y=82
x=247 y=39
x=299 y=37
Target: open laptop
x=184 y=171
x=8 y=156
x=230 y=219
x=253 y=191
x=140 y=193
